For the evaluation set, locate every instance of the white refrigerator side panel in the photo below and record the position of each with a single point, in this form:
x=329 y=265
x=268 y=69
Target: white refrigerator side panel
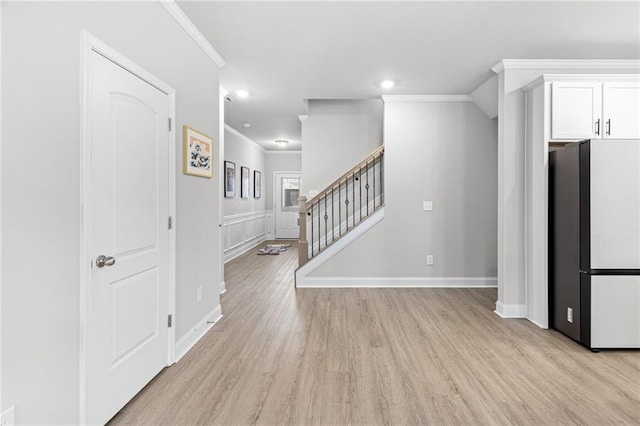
x=615 y=204
x=615 y=311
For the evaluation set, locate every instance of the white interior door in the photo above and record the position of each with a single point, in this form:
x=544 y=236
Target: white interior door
x=287 y=191
x=128 y=301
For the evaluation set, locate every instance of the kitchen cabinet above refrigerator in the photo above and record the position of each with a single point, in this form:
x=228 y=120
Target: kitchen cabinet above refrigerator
x=595 y=110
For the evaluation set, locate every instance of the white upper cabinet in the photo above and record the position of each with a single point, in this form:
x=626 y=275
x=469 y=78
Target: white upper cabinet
x=621 y=110
x=595 y=110
x=576 y=110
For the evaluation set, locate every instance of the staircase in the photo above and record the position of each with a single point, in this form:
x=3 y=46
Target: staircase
x=341 y=207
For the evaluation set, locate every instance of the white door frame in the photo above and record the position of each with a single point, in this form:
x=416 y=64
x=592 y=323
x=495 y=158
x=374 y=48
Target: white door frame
x=221 y=101
x=275 y=191
x=90 y=44
x=1 y=406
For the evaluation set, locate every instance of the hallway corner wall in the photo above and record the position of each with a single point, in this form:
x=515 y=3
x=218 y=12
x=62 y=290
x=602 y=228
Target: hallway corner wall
x=41 y=63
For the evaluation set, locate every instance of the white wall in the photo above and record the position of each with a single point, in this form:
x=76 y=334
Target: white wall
x=486 y=97
x=41 y=187
x=246 y=220
x=445 y=152
x=244 y=153
x=2 y=408
x=336 y=136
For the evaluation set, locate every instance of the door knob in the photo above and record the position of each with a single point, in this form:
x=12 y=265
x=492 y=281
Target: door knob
x=103 y=260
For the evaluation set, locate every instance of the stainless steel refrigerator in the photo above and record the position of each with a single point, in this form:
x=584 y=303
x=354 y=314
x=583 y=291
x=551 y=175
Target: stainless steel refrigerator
x=594 y=242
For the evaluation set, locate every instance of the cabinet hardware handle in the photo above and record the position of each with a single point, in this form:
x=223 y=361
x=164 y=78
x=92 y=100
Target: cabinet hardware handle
x=598 y=127
x=609 y=127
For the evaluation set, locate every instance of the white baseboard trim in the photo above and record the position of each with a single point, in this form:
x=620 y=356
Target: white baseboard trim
x=240 y=250
x=398 y=282
x=192 y=337
x=511 y=311
x=223 y=287
x=538 y=324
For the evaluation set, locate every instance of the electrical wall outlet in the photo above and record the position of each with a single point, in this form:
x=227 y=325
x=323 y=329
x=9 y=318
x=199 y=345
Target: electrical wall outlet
x=8 y=418
x=429 y=259
x=570 y=315
x=427 y=206
x=199 y=294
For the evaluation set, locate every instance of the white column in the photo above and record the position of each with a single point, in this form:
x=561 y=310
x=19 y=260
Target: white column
x=511 y=195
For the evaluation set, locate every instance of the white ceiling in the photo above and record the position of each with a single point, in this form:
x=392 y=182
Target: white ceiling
x=287 y=52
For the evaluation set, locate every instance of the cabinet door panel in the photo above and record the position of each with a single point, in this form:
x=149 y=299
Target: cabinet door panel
x=621 y=110
x=576 y=107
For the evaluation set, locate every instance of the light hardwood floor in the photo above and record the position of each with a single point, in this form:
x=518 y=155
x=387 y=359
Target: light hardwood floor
x=374 y=356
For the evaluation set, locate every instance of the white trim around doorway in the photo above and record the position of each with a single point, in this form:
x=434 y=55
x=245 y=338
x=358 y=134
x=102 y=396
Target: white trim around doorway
x=273 y=206
x=90 y=44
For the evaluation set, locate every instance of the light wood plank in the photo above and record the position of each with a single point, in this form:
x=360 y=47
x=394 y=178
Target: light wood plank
x=380 y=356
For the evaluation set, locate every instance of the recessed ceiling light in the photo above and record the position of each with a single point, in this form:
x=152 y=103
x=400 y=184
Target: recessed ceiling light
x=246 y=125
x=387 y=84
x=242 y=93
x=282 y=142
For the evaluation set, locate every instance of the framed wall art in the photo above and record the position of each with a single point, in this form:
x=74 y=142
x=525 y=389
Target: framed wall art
x=198 y=153
x=257 y=184
x=244 y=182
x=229 y=179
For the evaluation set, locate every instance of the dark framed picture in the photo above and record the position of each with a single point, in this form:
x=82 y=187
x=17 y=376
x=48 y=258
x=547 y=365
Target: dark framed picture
x=229 y=179
x=257 y=184
x=244 y=182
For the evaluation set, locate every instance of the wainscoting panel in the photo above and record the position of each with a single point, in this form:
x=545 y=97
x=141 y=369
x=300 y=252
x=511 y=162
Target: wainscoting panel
x=236 y=234
x=269 y=225
x=241 y=232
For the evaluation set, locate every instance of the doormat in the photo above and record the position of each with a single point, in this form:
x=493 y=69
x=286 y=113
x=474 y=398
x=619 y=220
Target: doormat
x=278 y=245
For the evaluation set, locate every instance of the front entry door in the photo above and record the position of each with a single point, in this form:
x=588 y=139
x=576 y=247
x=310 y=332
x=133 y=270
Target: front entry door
x=287 y=191
x=128 y=302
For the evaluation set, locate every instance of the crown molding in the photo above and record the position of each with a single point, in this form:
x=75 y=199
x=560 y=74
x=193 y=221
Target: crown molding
x=223 y=92
x=183 y=20
x=303 y=117
x=243 y=137
x=567 y=64
x=598 y=78
x=426 y=98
